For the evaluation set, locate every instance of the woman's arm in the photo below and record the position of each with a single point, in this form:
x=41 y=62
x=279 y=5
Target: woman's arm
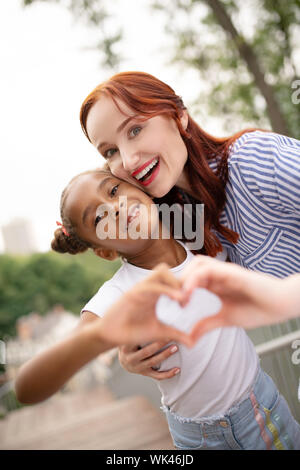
x=269 y=166
x=249 y=299
x=130 y=320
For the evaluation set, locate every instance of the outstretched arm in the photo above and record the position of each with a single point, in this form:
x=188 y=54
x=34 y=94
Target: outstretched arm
x=130 y=320
x=249 y=299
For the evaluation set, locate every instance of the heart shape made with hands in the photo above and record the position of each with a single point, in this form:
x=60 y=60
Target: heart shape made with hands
x=202 y=303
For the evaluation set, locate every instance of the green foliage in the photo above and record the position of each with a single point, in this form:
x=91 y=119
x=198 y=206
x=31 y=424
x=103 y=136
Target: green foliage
x=40 y=281
x=201 y=43
x=268 y=28
x=10 y=403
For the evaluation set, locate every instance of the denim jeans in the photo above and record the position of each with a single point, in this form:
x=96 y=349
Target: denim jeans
x=262 y=421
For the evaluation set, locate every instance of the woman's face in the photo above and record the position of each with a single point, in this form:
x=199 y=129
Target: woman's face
x=150 y=154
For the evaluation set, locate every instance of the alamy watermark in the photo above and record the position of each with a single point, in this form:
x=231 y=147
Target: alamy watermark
x=140 y=221
x=296 y=359
x=296 y=353
x=2 y=352
x=296 y=94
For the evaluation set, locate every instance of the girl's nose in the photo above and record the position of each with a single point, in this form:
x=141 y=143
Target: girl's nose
x=117 y=206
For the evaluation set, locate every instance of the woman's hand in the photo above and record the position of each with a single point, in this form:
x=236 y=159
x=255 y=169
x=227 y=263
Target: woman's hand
x=143 y=360
x=132 y=319
x=249 y=299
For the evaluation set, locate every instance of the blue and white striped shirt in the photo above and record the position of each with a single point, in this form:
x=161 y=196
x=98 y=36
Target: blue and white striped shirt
x=263 y=203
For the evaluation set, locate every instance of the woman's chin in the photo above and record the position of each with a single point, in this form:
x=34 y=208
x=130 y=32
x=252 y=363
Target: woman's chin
x=158 y=189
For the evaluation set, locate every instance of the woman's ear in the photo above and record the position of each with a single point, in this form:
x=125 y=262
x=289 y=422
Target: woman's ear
x=184 y=119
x=107 y=254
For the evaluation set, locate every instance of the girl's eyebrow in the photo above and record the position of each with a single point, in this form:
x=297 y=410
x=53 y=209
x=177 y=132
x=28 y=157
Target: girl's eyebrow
x=88 y=209
x=119 y=129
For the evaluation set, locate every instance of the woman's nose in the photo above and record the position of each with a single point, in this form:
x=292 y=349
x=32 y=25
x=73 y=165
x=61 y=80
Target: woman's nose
x=130 y=161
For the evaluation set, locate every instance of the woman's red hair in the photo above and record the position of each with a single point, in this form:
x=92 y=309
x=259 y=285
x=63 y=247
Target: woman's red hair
x=149 y=97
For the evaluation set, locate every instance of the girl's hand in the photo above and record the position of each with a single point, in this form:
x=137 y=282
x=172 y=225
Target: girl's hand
x=143 y=360
x=132 y=319
x=249 y=299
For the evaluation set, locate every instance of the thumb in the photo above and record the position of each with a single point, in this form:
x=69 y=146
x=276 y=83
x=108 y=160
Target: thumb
x=207 y=324
x=179 y=336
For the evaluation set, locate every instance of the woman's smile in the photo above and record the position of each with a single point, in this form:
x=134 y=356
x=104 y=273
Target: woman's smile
x=147 y=172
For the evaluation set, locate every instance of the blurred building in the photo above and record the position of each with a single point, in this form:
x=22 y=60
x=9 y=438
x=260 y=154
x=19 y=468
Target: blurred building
x=18 y=237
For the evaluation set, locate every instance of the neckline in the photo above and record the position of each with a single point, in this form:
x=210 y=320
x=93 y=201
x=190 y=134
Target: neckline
x=174 y=269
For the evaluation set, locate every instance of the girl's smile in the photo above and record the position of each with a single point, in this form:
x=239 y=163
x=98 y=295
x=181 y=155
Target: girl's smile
x=147 y=152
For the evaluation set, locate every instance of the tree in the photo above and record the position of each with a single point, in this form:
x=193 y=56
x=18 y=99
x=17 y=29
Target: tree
x=250 y=74
x=40 y=281
x=249 y=69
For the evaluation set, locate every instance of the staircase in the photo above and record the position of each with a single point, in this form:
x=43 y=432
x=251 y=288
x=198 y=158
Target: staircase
x=91 y=420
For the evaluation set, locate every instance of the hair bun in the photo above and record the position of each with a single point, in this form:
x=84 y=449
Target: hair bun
x=59 y=242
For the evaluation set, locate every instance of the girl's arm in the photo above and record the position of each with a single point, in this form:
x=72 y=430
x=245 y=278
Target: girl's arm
x=46 y=373
x=130 y=320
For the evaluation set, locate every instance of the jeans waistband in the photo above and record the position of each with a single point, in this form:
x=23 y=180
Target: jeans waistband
x=236 y=411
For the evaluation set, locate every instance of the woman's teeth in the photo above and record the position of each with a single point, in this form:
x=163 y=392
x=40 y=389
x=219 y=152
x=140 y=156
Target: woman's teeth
x=146 y=170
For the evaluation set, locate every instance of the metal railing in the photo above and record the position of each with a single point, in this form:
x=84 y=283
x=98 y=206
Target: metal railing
x=280 y=358
x=276 y=360
x=277 y=343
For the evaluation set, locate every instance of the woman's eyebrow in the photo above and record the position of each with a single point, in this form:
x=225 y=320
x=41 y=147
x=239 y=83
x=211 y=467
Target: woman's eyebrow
x=88 y=209
x=119 y=129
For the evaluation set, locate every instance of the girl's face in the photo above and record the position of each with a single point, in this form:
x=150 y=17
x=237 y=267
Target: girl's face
x=148 y=154
x=98 y=202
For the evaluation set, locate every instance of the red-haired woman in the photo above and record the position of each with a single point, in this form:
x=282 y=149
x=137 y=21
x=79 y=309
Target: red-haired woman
x=248 y=182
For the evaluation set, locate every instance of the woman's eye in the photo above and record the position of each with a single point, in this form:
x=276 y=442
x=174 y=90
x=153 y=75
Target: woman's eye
x=114 y=190
x=109 y=153
x=135 y=131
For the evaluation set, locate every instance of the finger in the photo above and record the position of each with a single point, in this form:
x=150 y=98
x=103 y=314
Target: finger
x=151 y=350
x=156 y=289
x=127 y=349
x=199 y=278
x=209 y=277
x=163 y=274
x=208 y=324
x=197 y=261
x=168 y=374
x=158 y=358
x=178 y=336
x=186 y=295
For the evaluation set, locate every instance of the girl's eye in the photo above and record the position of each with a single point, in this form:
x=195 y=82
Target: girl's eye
x=114 y=190
x=135 y=131
x=109 y=153
x=97 y=220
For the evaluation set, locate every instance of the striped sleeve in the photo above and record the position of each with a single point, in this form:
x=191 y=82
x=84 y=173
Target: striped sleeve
x=269 y=165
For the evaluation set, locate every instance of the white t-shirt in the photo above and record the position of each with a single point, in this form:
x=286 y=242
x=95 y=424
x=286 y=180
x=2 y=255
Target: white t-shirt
x=220 y=368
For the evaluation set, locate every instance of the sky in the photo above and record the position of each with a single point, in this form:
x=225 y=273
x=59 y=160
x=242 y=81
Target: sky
x=47 y=69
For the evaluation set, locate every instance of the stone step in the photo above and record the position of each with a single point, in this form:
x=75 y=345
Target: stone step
x=33 y=419
x=130 y=423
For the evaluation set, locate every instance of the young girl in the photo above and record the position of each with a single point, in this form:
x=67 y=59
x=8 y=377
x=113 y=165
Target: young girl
x=221 y=399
